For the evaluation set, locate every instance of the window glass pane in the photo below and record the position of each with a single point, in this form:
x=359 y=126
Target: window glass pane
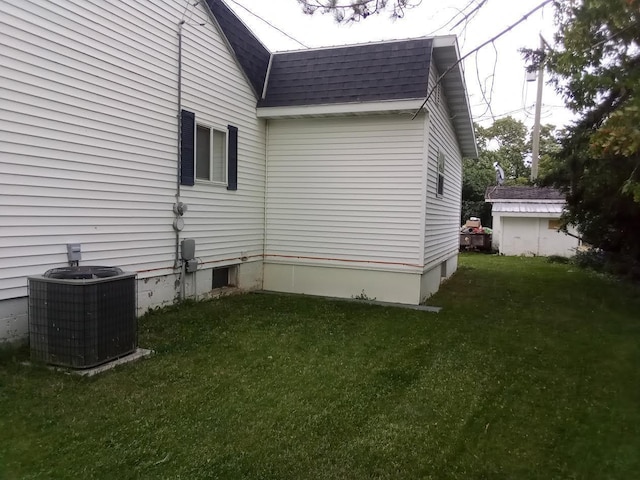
x=203 y=147
x=219 y=173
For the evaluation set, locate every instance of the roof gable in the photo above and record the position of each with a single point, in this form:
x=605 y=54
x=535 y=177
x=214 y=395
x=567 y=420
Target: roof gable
x=501 y=193
x=383 y=73
x=357 y=73
x=251 y=54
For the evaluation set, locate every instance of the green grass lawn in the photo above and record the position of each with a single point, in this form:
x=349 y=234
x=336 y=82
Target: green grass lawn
x=531 y=370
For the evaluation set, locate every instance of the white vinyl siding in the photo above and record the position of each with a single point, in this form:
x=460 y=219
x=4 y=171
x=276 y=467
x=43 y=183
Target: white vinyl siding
x=88 y=138
x=345 y=190
x=442 y=212
x=531 y=235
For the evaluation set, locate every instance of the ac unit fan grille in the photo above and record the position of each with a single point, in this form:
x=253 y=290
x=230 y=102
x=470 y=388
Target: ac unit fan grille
x=81 y=324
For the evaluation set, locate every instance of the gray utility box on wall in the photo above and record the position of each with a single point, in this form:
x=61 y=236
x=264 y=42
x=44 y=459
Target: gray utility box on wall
x=80 y=317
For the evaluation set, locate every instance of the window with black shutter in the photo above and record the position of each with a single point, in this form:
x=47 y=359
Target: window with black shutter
x=207 y=154
x=187 y=142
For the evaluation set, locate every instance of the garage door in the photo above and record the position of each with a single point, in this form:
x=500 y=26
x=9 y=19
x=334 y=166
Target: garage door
x=519 y=236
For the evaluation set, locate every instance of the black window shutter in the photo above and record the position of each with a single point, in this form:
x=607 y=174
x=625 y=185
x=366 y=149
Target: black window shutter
x=232 y=159
x=187 y=142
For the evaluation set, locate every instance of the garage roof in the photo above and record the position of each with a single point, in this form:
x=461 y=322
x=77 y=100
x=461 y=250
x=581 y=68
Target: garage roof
x=495 y=193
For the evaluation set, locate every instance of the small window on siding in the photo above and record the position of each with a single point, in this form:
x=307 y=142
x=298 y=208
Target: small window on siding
x=211 y=154
x=441 y=168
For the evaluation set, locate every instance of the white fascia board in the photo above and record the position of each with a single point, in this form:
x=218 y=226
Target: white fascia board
x=449 y=44
x=393 y=106
x=445 y=41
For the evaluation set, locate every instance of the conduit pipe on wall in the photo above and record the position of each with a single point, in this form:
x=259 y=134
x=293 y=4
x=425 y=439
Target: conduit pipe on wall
x=177 y=261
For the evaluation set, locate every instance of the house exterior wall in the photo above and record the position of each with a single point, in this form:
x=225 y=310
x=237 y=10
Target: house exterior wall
x=88 y=143
x=441 y=212
x=343 y=282
x=531 y=235
x=344 y=192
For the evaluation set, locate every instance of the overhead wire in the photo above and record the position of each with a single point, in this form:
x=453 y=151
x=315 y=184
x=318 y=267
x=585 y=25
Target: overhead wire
x=487 y=93
x=453 y=18
x=466 y=18
x=484 y=44
x=548 y=111
x=269 y=23
x=471 y=14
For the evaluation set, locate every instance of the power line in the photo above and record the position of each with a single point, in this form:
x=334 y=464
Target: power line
x=468 y=16
x=452 y=19
x=269 y=23
x=465 y=16
x=491 y=40
x=522 y=109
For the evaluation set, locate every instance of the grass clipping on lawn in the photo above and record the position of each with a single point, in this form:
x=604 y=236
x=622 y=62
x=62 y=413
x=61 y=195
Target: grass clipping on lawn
x=530 y=371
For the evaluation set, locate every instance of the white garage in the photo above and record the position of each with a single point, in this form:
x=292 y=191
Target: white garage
x=526 y=221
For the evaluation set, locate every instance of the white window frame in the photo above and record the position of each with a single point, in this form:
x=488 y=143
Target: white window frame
x=440 y=173
x=225 y=154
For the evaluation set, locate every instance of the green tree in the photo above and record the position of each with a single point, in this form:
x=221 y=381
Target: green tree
x=507 y=139
x=596 y=67
x=504 y=142
x=478 y=174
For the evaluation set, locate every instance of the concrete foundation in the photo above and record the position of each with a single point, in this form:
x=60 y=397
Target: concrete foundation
x=410 y=288
x=153 y=292
x=13 y=320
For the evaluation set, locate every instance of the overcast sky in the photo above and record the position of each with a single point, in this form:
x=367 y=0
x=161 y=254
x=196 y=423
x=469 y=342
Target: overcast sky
x=507 y=91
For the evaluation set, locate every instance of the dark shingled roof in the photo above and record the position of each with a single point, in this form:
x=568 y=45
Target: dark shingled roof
x=252 y=55
x=356 y=73
x=523 y=193
x=375 y=72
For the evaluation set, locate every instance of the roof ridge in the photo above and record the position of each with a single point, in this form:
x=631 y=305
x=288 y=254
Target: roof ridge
x=349 y=45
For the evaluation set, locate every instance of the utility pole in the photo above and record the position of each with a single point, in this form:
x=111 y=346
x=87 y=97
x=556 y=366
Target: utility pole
x=535 y=147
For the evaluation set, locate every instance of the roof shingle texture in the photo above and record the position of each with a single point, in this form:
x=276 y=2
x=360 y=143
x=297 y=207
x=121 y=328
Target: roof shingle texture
x=523 y=193
x=358 y=73
x=252 y=55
